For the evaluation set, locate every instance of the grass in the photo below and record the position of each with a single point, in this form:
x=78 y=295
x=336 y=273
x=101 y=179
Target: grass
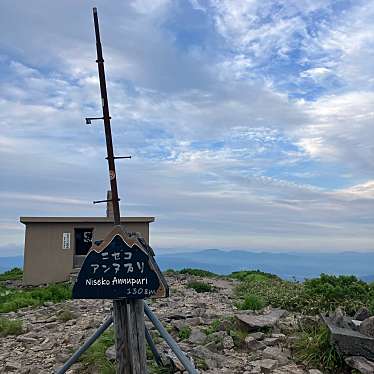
x=184 y=333
x=198 y=273
x=200 y=287
x=314 y=296
x=14 y=299
x=15 y=273
x=313 y=349
x=251 y=302
x=10 y=327
x=95 y=356
x=214 y=327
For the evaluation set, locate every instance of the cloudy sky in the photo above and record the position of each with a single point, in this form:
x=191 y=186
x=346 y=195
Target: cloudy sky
x=250 y=122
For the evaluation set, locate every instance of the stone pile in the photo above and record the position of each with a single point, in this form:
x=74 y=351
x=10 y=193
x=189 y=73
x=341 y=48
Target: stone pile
x=264 y=345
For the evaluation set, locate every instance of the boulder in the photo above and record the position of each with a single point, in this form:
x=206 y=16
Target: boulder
x=275 y=353
x=367 y=327
x=253 y=322
x=252 y=344
x=213 y=360
x=362 y=314
x=361 y=364
x=289 y=369
x=196 y=337
x=228 y=342
x=338 y=319
x=266 y=364
x=257 y=335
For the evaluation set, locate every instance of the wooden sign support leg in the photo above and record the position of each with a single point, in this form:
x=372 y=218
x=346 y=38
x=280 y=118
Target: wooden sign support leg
x=129 y=327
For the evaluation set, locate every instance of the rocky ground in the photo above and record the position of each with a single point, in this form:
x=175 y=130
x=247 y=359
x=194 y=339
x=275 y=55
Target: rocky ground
x=47 y=341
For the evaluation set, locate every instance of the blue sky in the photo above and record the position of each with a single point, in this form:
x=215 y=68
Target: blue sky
x=250 y=122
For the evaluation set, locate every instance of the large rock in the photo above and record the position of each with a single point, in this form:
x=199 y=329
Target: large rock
x=253 y=322
x=367 y=327
x=361 y=364
x=252 y=344
x=266 y=364
x=196 y=337
x=362 y=314
x=289 y=369
x=213 y=360
x=275 y=353
x=350 y=342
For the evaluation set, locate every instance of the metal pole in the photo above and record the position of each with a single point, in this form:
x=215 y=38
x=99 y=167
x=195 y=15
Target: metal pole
x=128 y=315
x=75 y=357
x=153 y=347
x=106 y=118
x=171 y=342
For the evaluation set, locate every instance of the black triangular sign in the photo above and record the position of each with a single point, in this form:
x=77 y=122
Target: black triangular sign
x=121 y=267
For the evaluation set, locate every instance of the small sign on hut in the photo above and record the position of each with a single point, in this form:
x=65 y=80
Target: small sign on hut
x=120 y=267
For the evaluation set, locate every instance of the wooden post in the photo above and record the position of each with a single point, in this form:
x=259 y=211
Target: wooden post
x=129 y=326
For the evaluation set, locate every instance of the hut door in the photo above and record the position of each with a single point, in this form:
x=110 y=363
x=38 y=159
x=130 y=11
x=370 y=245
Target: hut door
x=83 y=241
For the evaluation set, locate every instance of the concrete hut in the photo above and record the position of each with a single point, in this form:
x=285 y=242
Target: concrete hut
x=55 y=247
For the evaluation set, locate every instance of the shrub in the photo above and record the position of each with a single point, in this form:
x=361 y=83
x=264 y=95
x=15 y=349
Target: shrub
x=332 y=291
x=198 y=272
x=14 y=299
x=15 y=273
x=313 y=348
x=10 y=327
x=200 y=286
x=313 y=296
x=274 y=291
x=184 y=333
x=252 y=275
x=251 y=302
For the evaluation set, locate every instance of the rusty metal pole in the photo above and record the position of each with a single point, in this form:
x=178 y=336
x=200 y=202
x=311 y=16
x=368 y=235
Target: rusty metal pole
x=106 y=118
x=128 y=315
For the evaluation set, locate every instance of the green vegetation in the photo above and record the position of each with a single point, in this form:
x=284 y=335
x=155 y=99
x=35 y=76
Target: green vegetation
x=252 y=275
x=251 y=302
x=238 y=336
x=312 y=297
x=15 y=273
x=231 y=327
x=214 y=327
x=184 y=333
x=200 y=286
x=348 y=292
x=198 y=273
x=313 y=349
x=14 y=299
x=66 y=315
x=10 y=327
x=95 y=356
x=201 y=364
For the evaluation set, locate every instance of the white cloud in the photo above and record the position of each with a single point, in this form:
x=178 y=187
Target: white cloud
x=207 y=132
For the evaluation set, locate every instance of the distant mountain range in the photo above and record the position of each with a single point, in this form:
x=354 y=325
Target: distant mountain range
x=286 y=265
x=289 y=265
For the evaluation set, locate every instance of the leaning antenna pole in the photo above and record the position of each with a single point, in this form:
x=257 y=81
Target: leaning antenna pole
x=107 y=127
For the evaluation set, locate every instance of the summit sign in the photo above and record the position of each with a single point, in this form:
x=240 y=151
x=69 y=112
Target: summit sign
x=121 y=267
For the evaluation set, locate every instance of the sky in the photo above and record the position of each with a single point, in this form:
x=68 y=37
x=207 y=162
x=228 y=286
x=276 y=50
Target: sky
x=249 y=123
